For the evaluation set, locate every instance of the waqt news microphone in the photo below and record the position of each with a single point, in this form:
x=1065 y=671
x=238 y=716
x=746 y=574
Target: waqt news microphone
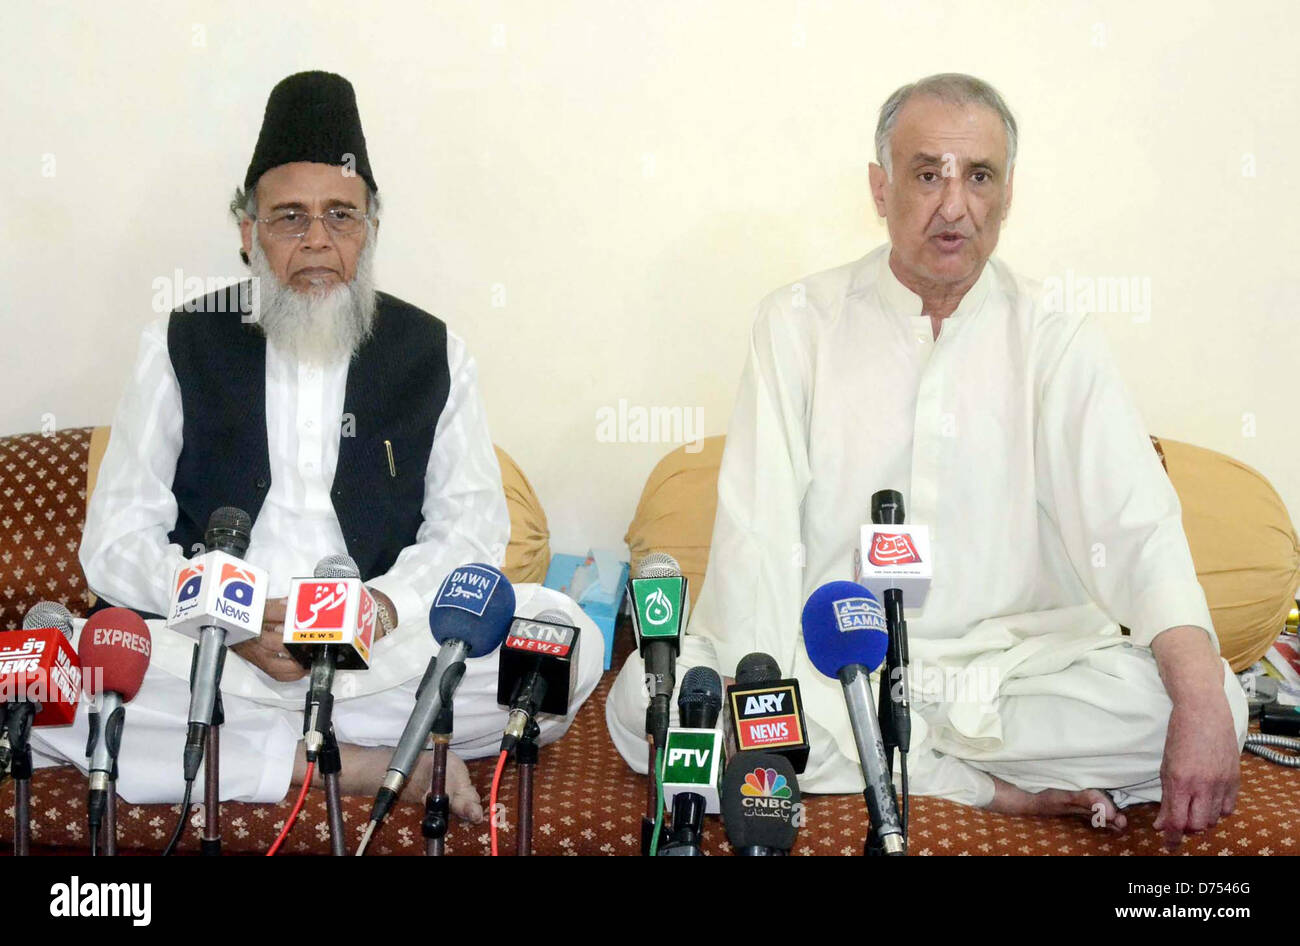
x=538 y=670
x=767 y=711
x=845 y=636
x=693 y=762
x=761 y=805
x=115 y=648
x=469 y=618
x=329 y=625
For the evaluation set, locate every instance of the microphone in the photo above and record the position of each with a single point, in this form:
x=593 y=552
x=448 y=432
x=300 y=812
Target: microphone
x=40 y=677
x=881 y=576
x=659 y=603
x=217 y=600
x=693 y=761
x=761 y=806
x=767 y=711
x=538 y=670
x=845 y=636
x=114 y=650
x=329 y=625
x=469 y=618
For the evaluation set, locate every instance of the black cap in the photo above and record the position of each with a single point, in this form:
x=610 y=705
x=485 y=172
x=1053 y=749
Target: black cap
x=756 y=668
x=761 y=804
x=311 y=116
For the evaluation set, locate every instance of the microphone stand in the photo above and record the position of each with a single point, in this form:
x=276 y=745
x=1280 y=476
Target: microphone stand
x=525 y=762
x=437 y=804
x=210 y=843
x=331 y=764
x=110 y=817
x=19 y=727
x=894 y=715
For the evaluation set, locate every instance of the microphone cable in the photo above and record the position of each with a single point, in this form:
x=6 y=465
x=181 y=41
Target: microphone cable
x=496 y=785
x=293 y=815
x=659 y=813
x=1256 y=743
x=180 y=822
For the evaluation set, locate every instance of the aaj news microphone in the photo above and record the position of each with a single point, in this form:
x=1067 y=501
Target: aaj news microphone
x=115 y=646
x=761 y=804
x=845 y=636
x=469 y=618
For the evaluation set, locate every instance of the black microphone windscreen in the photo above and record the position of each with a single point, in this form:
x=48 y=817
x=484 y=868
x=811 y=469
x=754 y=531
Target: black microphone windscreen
x=756 y=668
x=700 y=697
x=761 y=803
x=229 y=530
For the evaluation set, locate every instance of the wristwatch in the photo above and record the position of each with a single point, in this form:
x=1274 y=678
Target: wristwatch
x=385 y=616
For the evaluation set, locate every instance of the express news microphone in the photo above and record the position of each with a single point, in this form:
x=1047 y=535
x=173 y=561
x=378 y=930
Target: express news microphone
x=469 y=618
x=40 y=677
x=659 y=603
x=115 y=648
x=538 y=669
x=767 y=711
x=217 y=600
x=761 y=804
x=845 y=636
x=693 y=761
x=329 y=625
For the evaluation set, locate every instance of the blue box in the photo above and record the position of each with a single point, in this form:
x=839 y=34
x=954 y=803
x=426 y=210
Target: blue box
x=600 y=607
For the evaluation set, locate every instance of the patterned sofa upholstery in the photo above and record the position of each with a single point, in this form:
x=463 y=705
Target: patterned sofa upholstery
x=588 y=801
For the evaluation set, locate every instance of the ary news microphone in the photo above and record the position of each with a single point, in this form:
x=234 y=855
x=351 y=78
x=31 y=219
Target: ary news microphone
x=329 y=625
x=845 y=636
x=659 y=602
x=538 y=671
x=114 y=650
x=469 y=618
x=217 y=600
x=40 y=677
x=767 y=711
x=761 y=806
x=693 y=761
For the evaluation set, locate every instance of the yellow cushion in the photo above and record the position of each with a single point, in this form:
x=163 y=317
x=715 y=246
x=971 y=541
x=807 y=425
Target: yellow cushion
x=676 y=511
x=527 y=556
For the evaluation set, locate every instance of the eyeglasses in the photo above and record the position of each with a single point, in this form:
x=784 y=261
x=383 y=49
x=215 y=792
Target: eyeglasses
x=294 y=224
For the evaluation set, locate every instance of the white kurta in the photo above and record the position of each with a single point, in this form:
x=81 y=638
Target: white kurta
x=1052 y=522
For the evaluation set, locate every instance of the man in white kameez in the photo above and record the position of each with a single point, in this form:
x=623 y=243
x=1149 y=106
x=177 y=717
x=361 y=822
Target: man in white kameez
x=930 y=368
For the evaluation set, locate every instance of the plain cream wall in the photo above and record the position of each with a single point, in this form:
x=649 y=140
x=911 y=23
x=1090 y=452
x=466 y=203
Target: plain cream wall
x=595 y=194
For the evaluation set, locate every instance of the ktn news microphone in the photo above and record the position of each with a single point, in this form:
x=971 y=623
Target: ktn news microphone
x=115 y=648
x=469 y=618
x=693 y=762
x=329 y=625
x=767 y=711
x=217 y=601
x=537 y=671
x=845 y=636
x=761 y=805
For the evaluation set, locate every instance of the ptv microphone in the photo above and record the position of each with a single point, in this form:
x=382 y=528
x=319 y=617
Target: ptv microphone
x=538 y=670
x=845 y=636
x=40 y=677
x=693 y=761
x=115 y=648
x=767 y=711
x=659 y=604
x=469 y=618
x=761 y=806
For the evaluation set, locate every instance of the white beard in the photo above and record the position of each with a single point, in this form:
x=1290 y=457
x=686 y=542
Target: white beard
x=319 y=326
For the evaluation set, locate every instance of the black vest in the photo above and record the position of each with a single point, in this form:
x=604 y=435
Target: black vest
x=396 y=389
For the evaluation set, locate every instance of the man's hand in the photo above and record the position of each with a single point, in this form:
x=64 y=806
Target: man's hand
x=267 y=652
x=1201 y=769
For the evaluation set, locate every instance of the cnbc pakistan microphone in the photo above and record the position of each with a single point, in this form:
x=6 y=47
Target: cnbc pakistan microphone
x=469 y=618
x=658 y=593
x=329 y=625
x=114 y=648
x=217 y=601
x=40 y=679
x=537 y=673
x=761 y=805
x=767 y=711
x=692 y=762
x=844 y=634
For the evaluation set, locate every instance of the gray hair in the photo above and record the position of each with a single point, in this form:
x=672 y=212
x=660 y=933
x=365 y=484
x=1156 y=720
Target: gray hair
x=245 y=204
x=955 y=88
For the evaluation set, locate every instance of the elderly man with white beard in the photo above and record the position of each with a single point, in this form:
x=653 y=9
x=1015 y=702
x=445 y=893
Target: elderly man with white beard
x=342 y=420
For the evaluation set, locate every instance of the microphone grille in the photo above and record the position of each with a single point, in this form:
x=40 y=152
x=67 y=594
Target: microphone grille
x=701 y=685
x=658 y=565
x=49 y=614
x=554 y=616
x=756 y=668
x=337 y=566
x=230 y=530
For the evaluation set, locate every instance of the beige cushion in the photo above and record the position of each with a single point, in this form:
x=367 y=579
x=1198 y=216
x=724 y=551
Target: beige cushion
x=527 y=556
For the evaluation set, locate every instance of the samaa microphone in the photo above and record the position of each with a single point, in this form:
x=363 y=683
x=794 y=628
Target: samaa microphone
x=469 y=618
x=767 y=711
x=693 y=761
x=845 y=636
x=114 y=649
x=537 y=672
x=761 y=804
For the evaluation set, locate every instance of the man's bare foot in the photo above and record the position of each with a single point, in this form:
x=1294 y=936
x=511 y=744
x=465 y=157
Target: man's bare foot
x=364 y=768
x=1091 y=804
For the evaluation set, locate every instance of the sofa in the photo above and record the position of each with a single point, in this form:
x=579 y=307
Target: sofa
x=587 y=800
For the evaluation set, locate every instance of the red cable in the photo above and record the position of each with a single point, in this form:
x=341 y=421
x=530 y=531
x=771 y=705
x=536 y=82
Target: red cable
x=492 y=814
x=293 y=815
